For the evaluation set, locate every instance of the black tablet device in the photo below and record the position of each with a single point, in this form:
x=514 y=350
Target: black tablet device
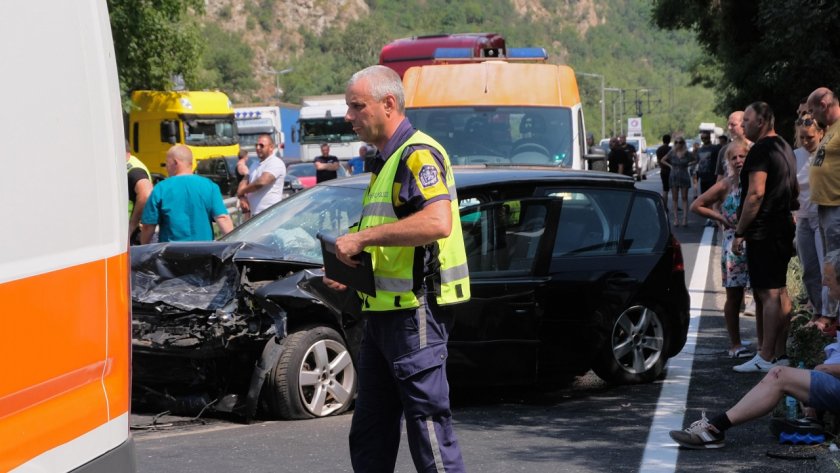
x=359 y=278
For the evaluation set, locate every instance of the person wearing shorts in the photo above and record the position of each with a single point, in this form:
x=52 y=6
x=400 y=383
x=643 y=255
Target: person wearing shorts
x=769 y=195
x=664 y=171
x=818 y=388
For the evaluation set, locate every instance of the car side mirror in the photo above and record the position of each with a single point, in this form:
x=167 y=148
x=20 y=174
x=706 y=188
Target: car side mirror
x=596 y=162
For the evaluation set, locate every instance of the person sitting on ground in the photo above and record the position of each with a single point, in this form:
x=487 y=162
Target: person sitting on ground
x=819 y=388
x=720 y=203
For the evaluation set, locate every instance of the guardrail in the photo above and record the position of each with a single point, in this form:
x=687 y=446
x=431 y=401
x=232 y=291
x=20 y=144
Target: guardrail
x=232 y=206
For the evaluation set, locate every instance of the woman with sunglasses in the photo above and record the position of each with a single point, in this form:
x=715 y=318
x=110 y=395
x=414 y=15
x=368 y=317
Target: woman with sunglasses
x=678 y=160
x=809 y=244
x=725 y=196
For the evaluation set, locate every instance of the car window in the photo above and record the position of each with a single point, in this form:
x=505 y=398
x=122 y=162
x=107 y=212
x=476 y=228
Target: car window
x=644 y=229
x=308 y=170
x=503 y=237
x=591 y=221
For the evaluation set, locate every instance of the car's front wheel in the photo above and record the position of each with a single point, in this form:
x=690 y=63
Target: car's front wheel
x=314 y=376
x=634 y=351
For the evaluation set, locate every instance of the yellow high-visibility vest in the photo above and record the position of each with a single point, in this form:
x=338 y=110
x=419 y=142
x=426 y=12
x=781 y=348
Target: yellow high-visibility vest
x=393 y=265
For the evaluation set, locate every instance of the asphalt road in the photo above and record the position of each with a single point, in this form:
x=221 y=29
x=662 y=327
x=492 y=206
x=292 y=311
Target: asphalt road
x=587 y=427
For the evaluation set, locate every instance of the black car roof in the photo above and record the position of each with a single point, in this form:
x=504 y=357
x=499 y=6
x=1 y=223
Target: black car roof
x=472 y=176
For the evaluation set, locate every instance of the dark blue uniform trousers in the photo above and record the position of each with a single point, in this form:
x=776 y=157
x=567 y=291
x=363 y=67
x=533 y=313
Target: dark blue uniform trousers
x=402 y=373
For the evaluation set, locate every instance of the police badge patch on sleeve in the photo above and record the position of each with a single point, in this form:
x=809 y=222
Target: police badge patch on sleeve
x=428 y=175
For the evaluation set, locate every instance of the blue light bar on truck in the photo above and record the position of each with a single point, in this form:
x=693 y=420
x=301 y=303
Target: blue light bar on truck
x=530 y=54
x=454 y=53
x=513 y=54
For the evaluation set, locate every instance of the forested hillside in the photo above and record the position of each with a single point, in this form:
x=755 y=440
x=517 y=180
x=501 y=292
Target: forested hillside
x=323 y=42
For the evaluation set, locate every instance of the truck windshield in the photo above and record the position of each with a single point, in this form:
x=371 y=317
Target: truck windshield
x=332 y=130
x=500 y=135
x=209 y=131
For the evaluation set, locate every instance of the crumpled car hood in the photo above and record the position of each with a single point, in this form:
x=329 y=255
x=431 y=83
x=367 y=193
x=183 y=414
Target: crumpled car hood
x=193 y=275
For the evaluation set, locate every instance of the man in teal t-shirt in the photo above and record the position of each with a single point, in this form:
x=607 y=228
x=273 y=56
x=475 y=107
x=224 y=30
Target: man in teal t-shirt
x=183 y=205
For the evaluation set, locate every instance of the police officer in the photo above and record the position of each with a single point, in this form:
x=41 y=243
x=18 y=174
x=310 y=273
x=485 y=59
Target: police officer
x=410 y=226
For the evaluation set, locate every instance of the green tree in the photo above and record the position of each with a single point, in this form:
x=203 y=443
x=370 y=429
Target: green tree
x=227 y=62
x=154 y=39
x=776 y=51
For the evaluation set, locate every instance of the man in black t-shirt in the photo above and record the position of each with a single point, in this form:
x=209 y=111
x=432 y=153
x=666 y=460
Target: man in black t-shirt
x=707 y=157
x=769 y=193
x=326 y=165
x=632 y=157
x=618 y=160
x=664 y=171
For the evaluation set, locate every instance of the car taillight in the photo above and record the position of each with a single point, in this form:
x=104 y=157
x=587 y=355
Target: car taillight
x=678 y=265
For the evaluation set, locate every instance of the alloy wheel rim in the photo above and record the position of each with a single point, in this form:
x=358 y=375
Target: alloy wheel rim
x=326 y=378
x=637 y=339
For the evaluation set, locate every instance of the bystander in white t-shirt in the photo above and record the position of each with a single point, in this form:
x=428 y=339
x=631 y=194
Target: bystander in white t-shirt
x=268 y=195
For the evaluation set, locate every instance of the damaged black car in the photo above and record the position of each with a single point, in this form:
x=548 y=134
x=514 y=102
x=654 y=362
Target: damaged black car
x=570 y=271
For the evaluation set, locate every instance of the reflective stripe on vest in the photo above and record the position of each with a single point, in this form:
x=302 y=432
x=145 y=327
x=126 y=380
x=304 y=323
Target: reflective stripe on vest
x=393 y=267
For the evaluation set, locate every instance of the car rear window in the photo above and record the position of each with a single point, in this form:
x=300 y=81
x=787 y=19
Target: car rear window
x=592 y=220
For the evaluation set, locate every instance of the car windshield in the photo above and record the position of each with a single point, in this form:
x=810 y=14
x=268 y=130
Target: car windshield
x=500 y=135
x=291 y=226
x=332 y=130
x=209 y=131
x=308 y=170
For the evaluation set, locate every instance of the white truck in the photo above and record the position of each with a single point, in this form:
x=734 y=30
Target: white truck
x=251 y=122
x=322 y=121
x=714 y=131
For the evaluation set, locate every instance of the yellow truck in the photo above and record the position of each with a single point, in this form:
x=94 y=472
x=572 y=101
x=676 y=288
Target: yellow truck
x=204 y=121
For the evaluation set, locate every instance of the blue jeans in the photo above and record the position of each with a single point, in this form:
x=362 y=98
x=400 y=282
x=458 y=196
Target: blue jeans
x=809 y=248
x=830 y=229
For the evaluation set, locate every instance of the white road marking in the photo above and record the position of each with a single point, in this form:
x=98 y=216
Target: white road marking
x=660 y=451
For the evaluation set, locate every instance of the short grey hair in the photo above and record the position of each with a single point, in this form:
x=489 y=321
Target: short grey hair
x=833 y=258
x=383 y=81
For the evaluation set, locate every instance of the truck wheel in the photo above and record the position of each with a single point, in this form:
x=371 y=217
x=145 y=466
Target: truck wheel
x=634 y=350
x=314 y=376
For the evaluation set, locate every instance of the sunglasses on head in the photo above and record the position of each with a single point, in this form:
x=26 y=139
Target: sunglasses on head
x=806 y=122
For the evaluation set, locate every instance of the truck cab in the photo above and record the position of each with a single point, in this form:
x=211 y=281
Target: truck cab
x=251 y=122
x=203 y=121
x=322 y=121
x=401 y=54
x=515 y=110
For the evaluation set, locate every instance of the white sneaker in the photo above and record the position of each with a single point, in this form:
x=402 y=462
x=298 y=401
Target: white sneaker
x=756 y=365
x=750 y=309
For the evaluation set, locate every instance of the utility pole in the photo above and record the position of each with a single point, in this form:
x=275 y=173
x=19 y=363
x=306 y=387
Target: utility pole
x=621 y=110
x=277 y=74
x=603 y=102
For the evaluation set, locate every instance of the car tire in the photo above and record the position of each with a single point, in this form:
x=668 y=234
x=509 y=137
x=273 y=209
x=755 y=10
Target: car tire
x=314 y=377
x=634 y=346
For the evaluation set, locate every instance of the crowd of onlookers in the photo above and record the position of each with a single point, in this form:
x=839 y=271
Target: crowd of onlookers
x=772 y=202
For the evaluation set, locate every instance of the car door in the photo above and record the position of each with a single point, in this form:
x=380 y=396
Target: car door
x=598 y=266
x=496 y=334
